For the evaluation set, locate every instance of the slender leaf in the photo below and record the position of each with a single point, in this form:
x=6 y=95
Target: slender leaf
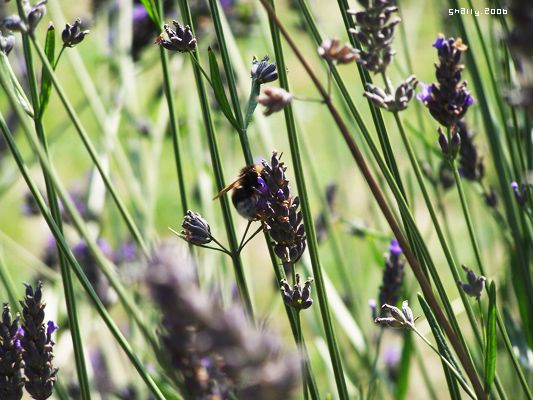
x=490 y=348
x=46 y=81
x=252 y=102
x=152 y=11
x=218 y=88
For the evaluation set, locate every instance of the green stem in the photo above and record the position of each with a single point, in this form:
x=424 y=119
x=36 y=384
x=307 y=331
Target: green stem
x=174 y=126
x=312 y=244
x=5 y=277
x=374 y=364
x=303 y=354
x=479 y=259
x=460 y=379
x=250 y=238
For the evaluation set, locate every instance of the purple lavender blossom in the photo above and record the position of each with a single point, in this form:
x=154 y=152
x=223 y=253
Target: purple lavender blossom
x=392 y=276
x=37 y=345
x=51 y=327
x=395 y=247
x=11 y=381
x=448 y=100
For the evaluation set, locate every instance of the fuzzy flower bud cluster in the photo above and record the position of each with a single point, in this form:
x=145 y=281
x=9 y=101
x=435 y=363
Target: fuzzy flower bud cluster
x=278 y=210
x=399 y=319
x=329 y=51
x=216 y=352
x=196 y=229
x=274 y=99
x=298 y=298
x=402 y=95
x=475 y=284
x=375 y=32
x=72 y=34
x=389 y=292
x=448 y=100
x=263 y=72
x=37 y=346
x=181 y=39
x=11 y=381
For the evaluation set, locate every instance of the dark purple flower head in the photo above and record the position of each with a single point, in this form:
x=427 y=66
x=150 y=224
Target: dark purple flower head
x=263 y=72
x=181 y=39
x=277 y=208
x=448 y=100
x=299 y=297
x=72 y=34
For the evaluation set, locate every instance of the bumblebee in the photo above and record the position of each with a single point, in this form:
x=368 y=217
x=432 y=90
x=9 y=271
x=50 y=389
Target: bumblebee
x=243 y=195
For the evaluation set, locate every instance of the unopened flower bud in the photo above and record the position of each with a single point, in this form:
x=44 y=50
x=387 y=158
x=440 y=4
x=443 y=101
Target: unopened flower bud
x=197 y=230
x=181 y=39
x=399 y=318
x=72 y=34
x=329 y=50
x=263 y=72
x=37 y=12
x=297 y=298
x=475 y=284
x=443 y=142
x=455 y=144
x=274 y=99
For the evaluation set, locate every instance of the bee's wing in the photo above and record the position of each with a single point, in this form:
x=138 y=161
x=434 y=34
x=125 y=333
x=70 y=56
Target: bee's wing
x=228 y=188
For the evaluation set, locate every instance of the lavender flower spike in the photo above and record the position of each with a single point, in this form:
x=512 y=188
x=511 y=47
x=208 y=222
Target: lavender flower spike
x=448 y=100
x=11 y=382
x=37 y=346
x=392 y=276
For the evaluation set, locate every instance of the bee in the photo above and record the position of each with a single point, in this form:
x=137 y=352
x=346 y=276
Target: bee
x=243 y=195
